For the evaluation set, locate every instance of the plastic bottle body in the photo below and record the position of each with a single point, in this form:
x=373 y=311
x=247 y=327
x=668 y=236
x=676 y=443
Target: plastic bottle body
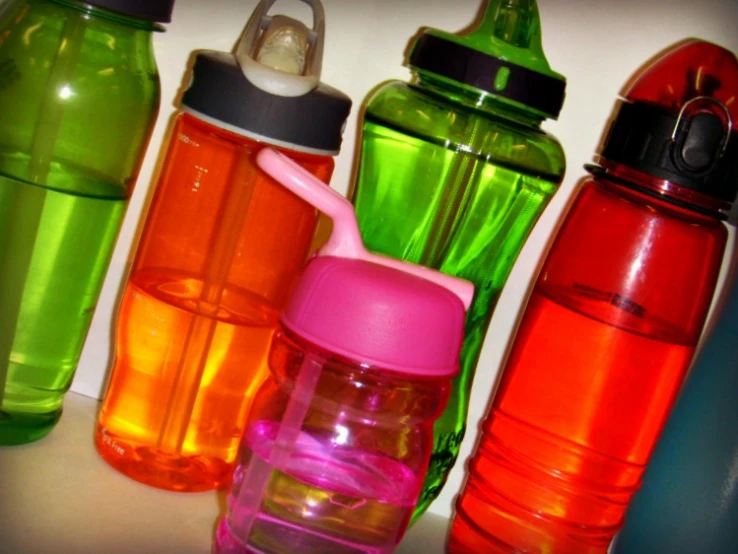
x=79 y=93
x=220 y=249
x=458 y=188
x=353 y=474
x=598 y=359
x=688 y=502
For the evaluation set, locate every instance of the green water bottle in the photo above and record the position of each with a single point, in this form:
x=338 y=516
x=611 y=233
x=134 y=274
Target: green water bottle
x=79 y=93
x=455 y=171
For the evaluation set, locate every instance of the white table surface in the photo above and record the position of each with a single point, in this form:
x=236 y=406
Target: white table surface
x=57 y=496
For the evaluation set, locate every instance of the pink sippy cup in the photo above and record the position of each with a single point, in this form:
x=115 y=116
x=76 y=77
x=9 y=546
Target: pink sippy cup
x=339 y=437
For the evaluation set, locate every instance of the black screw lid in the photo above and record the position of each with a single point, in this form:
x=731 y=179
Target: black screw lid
x=471 y=67
x=153 y=10
x=697 y=152
x=219 y=90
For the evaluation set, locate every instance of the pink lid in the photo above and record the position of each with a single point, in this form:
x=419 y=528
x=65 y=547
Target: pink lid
x=370 y=308
x=378 y=315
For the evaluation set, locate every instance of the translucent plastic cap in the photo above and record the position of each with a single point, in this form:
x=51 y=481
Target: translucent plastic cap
x=678 y=122
x=269 y=90
x=281 y=55
x=692 y=71
x=366 y=307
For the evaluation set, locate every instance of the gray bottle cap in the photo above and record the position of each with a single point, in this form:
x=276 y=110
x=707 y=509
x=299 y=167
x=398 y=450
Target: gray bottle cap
x=313 y=122
x=153 y=10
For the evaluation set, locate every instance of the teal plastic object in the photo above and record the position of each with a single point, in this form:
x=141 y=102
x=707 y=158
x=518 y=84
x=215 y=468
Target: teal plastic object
x=455 y=171
x=79 y=93
x=689 y=500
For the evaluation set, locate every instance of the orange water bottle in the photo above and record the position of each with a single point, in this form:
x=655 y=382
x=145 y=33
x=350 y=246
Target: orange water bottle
x=220 y=249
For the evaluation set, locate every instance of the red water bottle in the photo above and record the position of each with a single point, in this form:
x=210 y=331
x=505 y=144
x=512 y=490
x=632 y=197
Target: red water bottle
x=612 y=323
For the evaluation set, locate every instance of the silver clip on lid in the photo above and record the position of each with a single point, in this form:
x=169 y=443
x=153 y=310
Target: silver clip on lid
x=280 y=55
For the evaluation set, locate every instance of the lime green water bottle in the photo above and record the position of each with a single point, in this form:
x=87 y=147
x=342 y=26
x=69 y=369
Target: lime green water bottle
x=455 y=171
x=79 y=93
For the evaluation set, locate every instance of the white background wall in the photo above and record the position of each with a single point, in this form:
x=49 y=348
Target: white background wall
x=596 y=44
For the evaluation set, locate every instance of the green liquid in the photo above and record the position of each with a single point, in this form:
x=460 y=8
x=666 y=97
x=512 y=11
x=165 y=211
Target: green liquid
x=54 y=251
x=444 y=206
x=79 y=93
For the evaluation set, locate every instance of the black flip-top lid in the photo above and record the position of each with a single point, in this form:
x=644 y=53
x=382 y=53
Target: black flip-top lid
x=695 y=152
x=153 y=10
x=312 y=122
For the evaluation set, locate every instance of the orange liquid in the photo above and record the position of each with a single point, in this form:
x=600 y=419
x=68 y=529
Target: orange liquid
x=221 y=247
x=157 y=312
x=577 y=414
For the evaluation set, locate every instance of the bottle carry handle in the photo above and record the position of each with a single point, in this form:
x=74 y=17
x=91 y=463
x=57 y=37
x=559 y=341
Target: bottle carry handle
x=273 y=80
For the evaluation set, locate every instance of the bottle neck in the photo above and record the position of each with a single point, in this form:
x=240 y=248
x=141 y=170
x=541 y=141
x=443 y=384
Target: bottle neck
x=387 y=395
x=102 y=13
x=475 y=99
x=661 y=189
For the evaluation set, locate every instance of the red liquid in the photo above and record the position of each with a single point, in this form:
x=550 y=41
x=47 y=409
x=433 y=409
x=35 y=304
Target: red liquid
x=575 y=419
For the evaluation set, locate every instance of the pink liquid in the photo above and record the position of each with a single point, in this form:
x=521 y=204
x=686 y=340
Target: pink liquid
x=326 y=499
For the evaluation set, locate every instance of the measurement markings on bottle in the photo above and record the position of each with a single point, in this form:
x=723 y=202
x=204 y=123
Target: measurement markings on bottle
x=117 y=448
x=187 y=140
x=198 y=179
